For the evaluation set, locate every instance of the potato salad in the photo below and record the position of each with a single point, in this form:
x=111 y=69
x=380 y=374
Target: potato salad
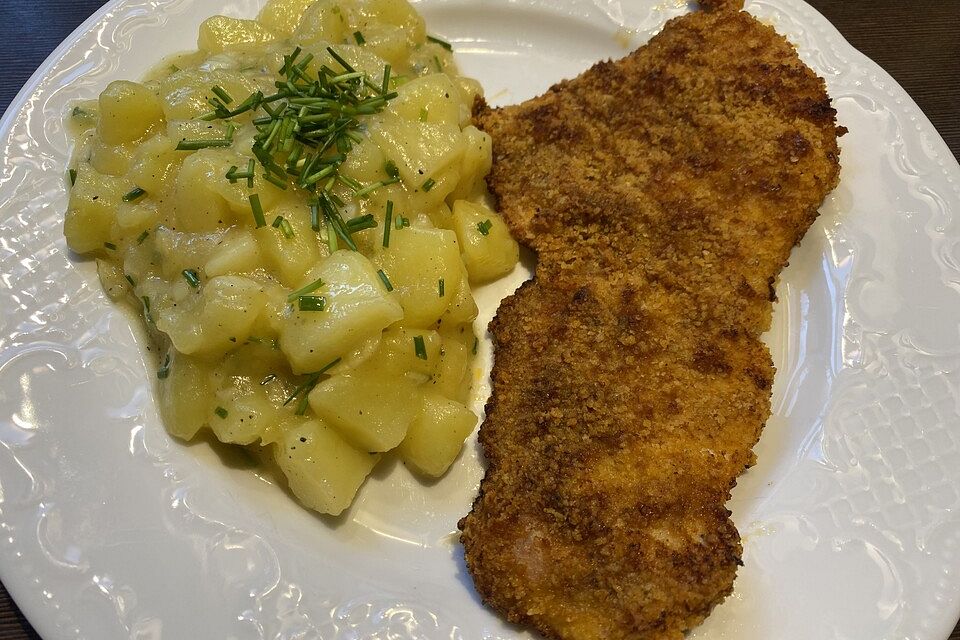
x=297 y=211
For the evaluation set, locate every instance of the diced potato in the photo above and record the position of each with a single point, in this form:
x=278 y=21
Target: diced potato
x=415 y=263
x=247 y=409
x=373 y=411
x=475 y=165
x=133 y=218
x=238 y=252
x=397 y=353
x=155 y=165
x=179 y=250
x=463 y=308
x=432 y=99
x=399 y=13
x=112 y=280
x=290 y=258
x=324 y=471
x=435 y=438
x=185 y=395
x=110 y=159
x=283 y=16
x=421 y=150
x=184 y=94
x=214 y=319
x=451 y=380
x=358 y=307
x=365 y=163
x=489 y=251
x=389 y=42
x=128 y=112
x=91 y=210
x=323 y=21
x=220 y=32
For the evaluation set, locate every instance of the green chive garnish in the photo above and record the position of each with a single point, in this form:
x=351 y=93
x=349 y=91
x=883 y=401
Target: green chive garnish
x=130 y=280
x=358 y=37
x=424 y=114
x=386 y=224
x=476 y=343
x=72 y=174
x=223 y=95
x=221 y=412
x=390 y=167
x=443 y=43
x=194 y=145
x=484 y=227
x=110 y=245
x=192 y=277
x=311 y=303
x=304 y=290
x=143 y=236
x=419 y=348
x=134 y=194
x=440 y=287
x=257 y=209
x=429 y=184
x=385 y=280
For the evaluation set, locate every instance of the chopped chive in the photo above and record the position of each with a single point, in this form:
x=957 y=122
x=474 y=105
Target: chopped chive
x=312 y=379
x=164 y=369
x=419 y=348
x=429 y=184
x=304 y=290
x=221 y=412
x=192 y=277
x=358 y=37
x=72 y=174
x=443 y=43
x=146 y=308
x=385 y=280
x=223 y=95
x=311 y=303
x=286 y=229
x=130 y=280
x=386 y=224
x=194 y=145
x=361 y=222
x=476 y=343
x=390 y=167
x=134 y=194
x=385 y=84
x=401 y=222
x=277 y=221
x=436 y=61
x=440 y=287
x=484 y=227
x=143 y=236
x=343 y=63
x=267 y=379
x=110 y=245
x=315 y=216
x=257 y=209
x=424 y=114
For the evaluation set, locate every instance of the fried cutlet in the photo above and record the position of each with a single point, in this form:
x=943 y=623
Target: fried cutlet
x=662 y=194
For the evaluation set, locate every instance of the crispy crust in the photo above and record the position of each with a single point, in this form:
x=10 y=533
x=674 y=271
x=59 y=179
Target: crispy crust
x=663 y=194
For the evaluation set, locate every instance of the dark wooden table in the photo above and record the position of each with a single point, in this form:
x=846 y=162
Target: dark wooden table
x=918 y=42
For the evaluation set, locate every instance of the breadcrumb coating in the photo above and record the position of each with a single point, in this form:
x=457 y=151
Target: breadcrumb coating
x=662 y=194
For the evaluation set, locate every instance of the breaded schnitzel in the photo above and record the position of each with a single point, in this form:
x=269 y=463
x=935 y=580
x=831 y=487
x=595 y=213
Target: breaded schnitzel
x=662 y=194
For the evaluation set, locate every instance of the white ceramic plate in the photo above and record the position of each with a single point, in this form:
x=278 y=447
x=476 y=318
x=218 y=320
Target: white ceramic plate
x=851 y=520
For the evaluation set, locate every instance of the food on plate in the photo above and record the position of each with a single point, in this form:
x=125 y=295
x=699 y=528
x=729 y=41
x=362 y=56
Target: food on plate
x=297 y=211
x=663 y=194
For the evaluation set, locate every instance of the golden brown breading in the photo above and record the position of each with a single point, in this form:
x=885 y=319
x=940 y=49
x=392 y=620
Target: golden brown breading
x=663 y=194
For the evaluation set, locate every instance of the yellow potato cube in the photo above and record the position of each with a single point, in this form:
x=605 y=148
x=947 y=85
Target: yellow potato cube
x=220 y=32
x=373 y=410
x=323 y=470
x=128 y=112
x=489 y=251
x=435 y=438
